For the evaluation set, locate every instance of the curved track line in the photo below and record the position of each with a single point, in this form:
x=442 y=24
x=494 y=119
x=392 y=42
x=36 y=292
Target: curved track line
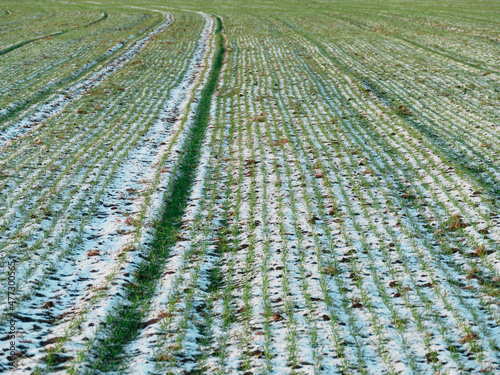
x=59 y=101
x=444 y=54
x=23 y=43
x=166 y=139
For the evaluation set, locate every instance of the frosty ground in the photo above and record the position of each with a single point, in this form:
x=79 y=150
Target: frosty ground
x=200 y=187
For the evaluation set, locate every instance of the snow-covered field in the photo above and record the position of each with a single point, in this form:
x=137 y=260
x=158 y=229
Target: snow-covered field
x=194 y=188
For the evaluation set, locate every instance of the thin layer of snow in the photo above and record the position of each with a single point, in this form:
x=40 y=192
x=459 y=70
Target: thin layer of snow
x=30 y=119
x=147 y=169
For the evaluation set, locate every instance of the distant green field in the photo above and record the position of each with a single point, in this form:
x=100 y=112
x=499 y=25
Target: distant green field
x=250 y=187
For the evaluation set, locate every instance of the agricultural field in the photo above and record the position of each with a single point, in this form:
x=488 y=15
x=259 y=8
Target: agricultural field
x=250 y=187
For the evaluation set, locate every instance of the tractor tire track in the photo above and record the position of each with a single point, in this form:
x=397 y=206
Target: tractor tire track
x=106 y=277
x=24 y=42
x=58 y=101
